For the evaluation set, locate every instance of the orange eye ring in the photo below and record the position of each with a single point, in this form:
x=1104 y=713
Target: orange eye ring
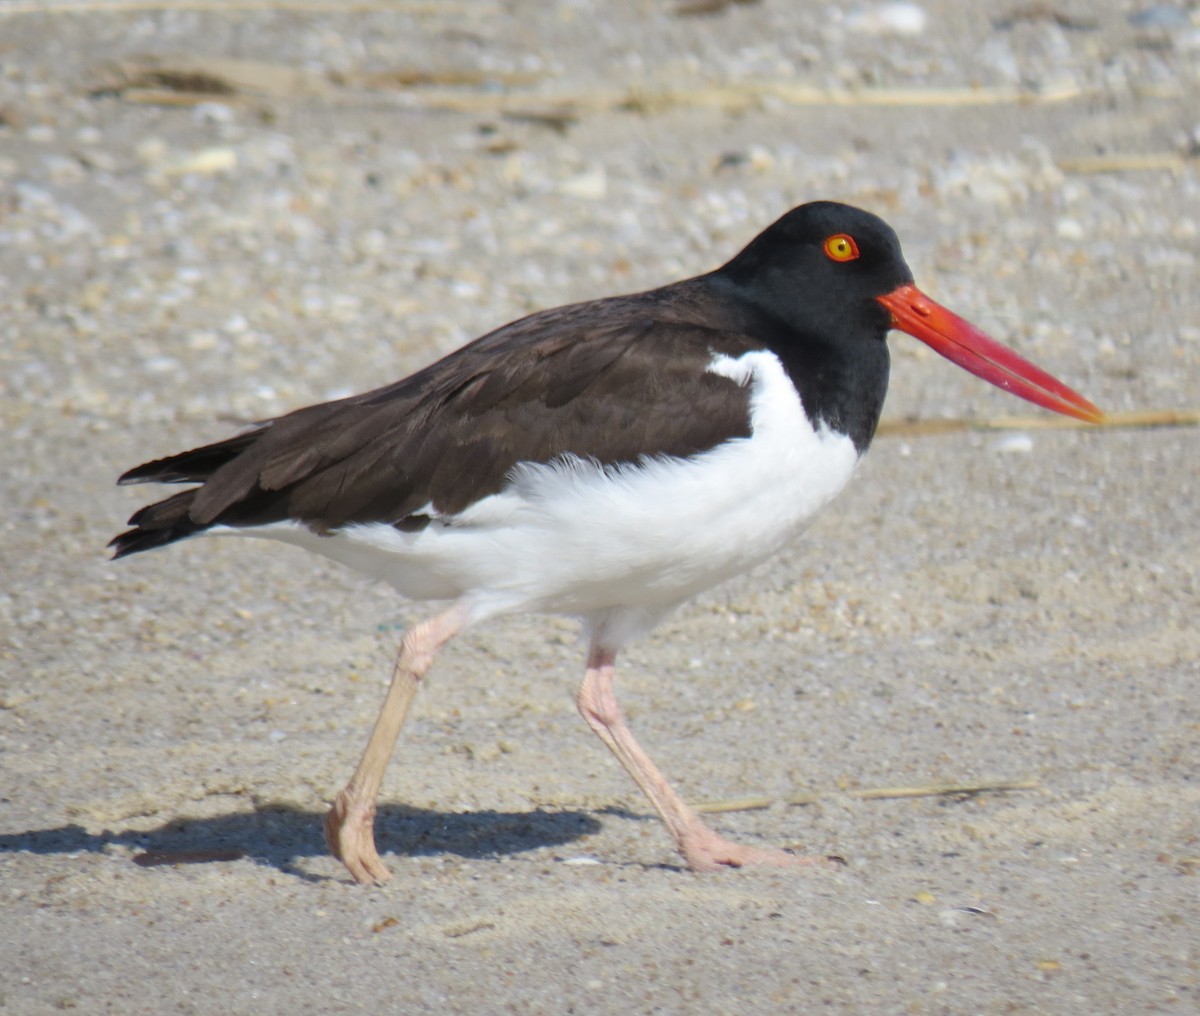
x=841 y=247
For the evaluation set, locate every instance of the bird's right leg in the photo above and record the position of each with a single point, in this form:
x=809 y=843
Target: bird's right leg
x=350 y=823
x=701 y=847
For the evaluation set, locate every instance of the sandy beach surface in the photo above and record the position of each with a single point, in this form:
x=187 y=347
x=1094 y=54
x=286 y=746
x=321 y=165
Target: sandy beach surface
x=213 y=214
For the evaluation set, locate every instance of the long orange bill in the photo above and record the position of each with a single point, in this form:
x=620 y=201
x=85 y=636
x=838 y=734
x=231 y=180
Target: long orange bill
x=961 y=342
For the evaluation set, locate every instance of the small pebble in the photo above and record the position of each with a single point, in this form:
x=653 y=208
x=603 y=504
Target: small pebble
x=213 y=113
x=591 y=185
x=889 y=19
x=1160 y=16
x=1069 y=229
x=206 y=161
x=1013 y=444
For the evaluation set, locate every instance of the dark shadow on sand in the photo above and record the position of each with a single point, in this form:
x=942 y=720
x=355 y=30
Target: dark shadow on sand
x=280 y=835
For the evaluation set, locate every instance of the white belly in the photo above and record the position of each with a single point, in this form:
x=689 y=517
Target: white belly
x=573 y=537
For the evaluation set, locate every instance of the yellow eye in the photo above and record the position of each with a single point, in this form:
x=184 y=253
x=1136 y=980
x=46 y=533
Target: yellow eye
x=841 y=247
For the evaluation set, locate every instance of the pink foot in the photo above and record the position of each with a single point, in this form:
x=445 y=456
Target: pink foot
x=704 y=850
x=350 y=834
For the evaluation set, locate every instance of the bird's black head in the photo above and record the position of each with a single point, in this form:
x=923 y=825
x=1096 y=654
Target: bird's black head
x=819 y=270
x=823 y=285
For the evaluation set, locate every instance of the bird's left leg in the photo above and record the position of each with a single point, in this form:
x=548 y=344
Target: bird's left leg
x=701 y=847
x=350 y=823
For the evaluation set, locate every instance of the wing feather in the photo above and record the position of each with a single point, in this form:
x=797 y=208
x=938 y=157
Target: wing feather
x=611 y=380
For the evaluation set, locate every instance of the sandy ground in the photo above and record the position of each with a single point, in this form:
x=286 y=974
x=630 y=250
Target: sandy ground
x=981 y=606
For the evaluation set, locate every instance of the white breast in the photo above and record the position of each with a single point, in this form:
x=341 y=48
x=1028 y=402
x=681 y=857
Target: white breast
x=573 y=537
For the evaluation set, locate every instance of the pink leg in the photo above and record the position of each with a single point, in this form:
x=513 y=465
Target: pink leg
x=350 y=823
x=702 y=848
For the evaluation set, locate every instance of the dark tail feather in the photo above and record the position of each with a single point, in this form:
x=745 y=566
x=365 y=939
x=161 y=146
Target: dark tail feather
x=156 y=525
x=136 y=540
x=194 y=466
x=164 y=522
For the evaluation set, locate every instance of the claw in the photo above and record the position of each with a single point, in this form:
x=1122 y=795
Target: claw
x=350 y=835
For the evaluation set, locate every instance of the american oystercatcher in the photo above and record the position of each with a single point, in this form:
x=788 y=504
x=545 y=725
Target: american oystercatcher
x=606 y=460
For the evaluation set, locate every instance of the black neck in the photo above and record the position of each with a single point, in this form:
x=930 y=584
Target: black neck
x=842 y=378
x=840 y=386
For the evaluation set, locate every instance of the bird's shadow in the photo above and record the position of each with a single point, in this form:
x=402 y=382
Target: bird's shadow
x=279 y=836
